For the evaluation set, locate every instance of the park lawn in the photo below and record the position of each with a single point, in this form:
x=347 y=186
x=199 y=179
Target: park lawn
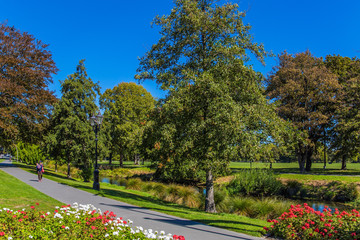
x=231 y=222
x=306 y=178
x=15 y=194
x=293 y=167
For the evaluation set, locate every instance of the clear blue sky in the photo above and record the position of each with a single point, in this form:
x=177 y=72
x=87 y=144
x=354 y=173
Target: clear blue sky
x=112 y=34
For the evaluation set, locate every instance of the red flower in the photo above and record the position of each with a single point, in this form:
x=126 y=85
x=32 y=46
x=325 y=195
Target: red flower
x=62 y=226
x=181 y=238
x=32 y=207
x=20 y=220
x=2 y=233
x=91 y=236
x=125 y=222
x=37 y=203
x=266 y=229
x=353 y=234
x=93 y=227
x=175 y=237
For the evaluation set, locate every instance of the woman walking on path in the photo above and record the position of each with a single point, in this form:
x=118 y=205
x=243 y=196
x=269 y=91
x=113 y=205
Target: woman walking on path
x=40 y=170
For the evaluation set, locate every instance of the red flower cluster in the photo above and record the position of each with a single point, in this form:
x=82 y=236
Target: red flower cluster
x=176 y=237
x=303 y=222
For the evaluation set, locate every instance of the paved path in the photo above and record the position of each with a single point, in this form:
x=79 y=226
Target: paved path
x=140 y=216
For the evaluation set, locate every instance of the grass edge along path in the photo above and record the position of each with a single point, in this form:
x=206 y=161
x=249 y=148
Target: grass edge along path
x=15 y=194
x=230 y=222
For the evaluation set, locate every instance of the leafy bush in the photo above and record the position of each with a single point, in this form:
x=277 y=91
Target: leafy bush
x=303 y=222
x=294 y=189
x=256 y=183
x=338 y=192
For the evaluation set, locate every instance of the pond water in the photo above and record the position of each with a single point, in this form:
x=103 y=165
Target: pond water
x=111 y=180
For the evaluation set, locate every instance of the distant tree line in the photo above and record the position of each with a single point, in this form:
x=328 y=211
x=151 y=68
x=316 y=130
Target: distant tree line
x=218 y=108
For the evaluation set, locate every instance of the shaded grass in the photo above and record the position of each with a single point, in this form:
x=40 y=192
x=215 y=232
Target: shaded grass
x=15 y=194
x=228 y=221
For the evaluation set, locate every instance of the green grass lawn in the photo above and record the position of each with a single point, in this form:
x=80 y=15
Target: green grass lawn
x=228 y=221
x=15 y=194
x=317 y=168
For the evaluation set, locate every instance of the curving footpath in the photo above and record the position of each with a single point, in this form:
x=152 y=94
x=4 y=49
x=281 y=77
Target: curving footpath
x=145 y=218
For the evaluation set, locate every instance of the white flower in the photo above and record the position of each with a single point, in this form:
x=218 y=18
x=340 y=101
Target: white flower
x=116 y=233
x=30 y=236
x=9 y=238
x=106 y=235
x=162 y=233
x=66 y=228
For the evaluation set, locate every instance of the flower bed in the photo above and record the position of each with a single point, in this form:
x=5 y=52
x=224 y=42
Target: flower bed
x=76 y=222
x=303 y=222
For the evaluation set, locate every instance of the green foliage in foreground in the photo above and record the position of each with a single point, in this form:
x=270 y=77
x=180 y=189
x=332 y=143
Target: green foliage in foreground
x=228 y=221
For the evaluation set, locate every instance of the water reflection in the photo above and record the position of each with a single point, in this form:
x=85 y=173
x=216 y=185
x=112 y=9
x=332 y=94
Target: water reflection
x=116 y=181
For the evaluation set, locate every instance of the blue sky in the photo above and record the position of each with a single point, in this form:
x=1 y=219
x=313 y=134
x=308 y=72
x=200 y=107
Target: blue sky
x=112 y=34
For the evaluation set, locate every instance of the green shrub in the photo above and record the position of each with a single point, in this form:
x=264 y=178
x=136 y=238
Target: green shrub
x=338 y=192
x=294 y=189
x=256 y=183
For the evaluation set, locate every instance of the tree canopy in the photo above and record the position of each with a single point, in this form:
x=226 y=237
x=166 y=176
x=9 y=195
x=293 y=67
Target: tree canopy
x=71 y=137
x=305 y=92
x=26 y=68
x=213 y=95
x=126 y=108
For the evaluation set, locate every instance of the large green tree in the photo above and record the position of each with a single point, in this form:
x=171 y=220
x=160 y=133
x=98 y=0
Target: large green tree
x=346 y=135
x=71 y=137
x=26 y=69
x=126 y=108
x=213 y=95
x=305 y=92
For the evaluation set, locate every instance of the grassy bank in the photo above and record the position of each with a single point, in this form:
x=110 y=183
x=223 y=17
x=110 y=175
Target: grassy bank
x=15 y=194
x=228 y=221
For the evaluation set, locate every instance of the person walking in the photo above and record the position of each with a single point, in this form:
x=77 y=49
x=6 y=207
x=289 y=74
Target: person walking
x=40 y=170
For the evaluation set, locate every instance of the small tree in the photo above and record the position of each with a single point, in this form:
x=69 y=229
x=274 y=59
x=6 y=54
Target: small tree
x=126 y=108
x=71 y=137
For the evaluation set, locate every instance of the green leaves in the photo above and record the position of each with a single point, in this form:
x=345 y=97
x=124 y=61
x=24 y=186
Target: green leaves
x=71 y=137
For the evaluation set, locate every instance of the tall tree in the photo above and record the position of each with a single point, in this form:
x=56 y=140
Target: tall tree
x=26 y=69
x=126 y=108
x=305 y=91
x=200 y=58
x=71 y=137
x=346 y=135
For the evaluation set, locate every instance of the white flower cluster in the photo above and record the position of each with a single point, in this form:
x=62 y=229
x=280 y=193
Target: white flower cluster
x=115 y=226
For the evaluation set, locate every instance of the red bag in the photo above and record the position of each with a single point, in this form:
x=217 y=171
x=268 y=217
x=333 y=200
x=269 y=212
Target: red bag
x=43 y=169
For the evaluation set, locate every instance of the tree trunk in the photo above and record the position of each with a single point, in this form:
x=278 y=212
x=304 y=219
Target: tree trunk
x=324 y=156
x=136 y=159
x=110 y=158
x=308 y=155
x=56 y=166
x=343 y=163
x=209 y=201
x=68 y=170
x=301 y=161
x=121 y=160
